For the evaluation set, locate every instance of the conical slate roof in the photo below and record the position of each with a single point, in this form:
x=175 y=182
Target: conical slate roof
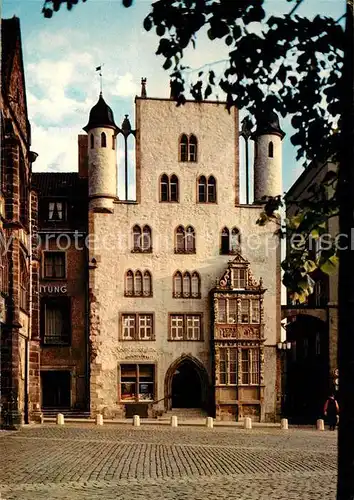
x=101 y=115
x=268 y=123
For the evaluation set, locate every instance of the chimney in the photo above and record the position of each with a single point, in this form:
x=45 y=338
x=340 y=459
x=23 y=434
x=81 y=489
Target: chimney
x=83 y=156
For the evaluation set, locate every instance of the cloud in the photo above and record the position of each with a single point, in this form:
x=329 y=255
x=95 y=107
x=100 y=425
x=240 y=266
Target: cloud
x=57 y=149
x=126 y=86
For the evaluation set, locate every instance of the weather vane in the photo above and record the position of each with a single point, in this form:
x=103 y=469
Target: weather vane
x=99 y=68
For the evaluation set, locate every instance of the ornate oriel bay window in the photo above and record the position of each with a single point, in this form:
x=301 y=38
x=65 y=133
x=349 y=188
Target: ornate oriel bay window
x=238 y=343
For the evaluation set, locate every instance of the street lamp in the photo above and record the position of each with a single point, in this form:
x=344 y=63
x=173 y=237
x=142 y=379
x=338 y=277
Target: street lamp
x=246 y=134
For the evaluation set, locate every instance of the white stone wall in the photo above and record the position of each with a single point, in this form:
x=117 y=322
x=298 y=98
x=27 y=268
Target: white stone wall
x=102 y=164
x=161 y=124
x=268 y=171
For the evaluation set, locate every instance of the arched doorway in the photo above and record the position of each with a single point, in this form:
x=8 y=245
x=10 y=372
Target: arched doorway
x=186 y=384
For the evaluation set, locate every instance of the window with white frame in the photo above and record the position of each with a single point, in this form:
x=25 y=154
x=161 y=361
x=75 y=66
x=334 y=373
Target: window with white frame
x=137 y=326
x=245 y=310
x=238 y=277
x=255 y=311
x=185 y=327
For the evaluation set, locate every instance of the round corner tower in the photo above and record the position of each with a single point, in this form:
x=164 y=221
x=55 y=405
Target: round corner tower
x=102 y=161
x=268 y=157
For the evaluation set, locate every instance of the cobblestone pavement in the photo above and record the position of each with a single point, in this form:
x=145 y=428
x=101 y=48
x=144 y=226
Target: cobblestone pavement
x=121 y=462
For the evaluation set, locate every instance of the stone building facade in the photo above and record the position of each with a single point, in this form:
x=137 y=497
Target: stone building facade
x=154 y=261
x=310 y=368
x=19 y=313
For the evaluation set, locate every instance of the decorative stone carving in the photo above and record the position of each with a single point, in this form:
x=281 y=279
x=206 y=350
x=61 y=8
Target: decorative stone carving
x=137 y=353
x=225 y=280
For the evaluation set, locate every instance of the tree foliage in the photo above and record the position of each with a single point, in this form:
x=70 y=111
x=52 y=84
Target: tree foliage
x=288 y=64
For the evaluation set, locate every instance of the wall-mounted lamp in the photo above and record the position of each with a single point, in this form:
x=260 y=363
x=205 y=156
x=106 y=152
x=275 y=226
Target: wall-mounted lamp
x=284 y=346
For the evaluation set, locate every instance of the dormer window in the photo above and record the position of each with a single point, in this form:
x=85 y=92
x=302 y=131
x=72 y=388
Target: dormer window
x=239 y=279
x=56 y=211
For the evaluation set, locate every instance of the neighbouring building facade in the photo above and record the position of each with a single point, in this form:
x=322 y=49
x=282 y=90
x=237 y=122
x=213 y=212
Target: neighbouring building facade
x=310 y=368
x=19 y=308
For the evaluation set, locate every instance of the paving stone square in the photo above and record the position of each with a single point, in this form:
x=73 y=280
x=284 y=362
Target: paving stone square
x=186 y=463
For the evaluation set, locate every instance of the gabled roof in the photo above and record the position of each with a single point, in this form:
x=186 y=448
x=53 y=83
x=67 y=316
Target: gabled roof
x=59 y=184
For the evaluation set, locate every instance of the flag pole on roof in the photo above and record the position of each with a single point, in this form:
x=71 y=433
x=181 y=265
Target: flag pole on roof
x=99 y=68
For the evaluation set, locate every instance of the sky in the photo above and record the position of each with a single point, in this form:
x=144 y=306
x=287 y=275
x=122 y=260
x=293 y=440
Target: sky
x=62 y=53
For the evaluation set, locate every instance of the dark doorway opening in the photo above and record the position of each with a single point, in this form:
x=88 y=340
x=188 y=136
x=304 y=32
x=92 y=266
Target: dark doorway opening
x=56 y=387
x=186 y=386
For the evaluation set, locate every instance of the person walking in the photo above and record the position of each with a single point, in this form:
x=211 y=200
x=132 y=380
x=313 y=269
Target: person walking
x=331 y=411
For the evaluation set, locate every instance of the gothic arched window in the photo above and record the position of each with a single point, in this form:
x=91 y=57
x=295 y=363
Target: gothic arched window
x=138 y=284
x=235 y=240
x=202 y=189
x=164 y=188
x=103 y=140
x=225 y=241
x=186 y=285
x=177 y=284
x=136 y=238
x=174 y=188
x=193 y=148
x=147 y=287
x=211 y=189
x=183 y=148
x=190 y=240
x=147 y=239
x=271 y=150
x=91 y=141
x=129 y=283
x=113 y=141
x=179 y=243
x=195 y=285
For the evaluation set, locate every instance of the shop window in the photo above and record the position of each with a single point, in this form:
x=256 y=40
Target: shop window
x=137 y=382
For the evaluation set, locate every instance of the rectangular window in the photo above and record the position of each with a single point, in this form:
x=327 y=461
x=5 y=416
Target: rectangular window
x=250 y=367
x=239 y=278
x=177 y=327
x=54 y=265
x=137 y=327
x=255 y=311
x=128 y=321
x=56 y=211
x=55 y=321
x=137 y=382
x=222 y=310
x=227 y=366
x=245 y=311
x=193 y=327
x=145 y=326
x=185 y=327
x=232 y=313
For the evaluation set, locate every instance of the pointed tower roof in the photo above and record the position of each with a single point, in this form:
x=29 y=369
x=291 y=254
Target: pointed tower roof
x=268 y=123
x=101 y=115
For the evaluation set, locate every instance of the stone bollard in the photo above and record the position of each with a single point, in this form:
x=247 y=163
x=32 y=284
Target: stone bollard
x=209 y=422
x=99 y=419
x=41 y=418
x=136 y=421
x=174 y=421
x=284 y=424
x=247 y=423
x=60 y=419
x=320 y=424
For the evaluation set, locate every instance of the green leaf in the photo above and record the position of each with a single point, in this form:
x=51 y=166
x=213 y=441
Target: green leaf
x=310 y=266
x=330 y=265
